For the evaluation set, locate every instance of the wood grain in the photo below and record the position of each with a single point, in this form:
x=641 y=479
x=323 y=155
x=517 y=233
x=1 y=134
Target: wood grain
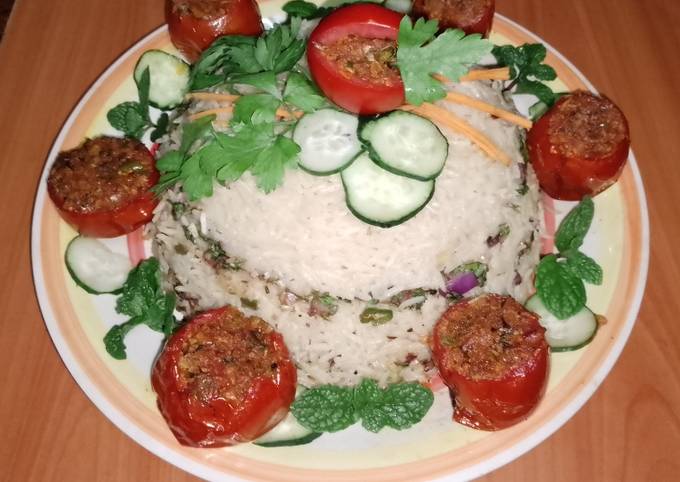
x=52 y=51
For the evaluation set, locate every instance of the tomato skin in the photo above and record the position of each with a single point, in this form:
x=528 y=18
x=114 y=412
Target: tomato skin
x=218 y=423
x=567 y=177
x=192 y=35
x=354 y=94
x=494 y=404
x=110 y=224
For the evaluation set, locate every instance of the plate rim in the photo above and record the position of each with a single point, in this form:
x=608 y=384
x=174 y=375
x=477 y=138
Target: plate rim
x=174 y=457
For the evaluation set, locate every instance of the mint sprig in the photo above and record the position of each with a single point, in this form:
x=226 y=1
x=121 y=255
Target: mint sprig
x=132 y=118
x=528 y=74
x=145 y=302
x=560 y=277
x=331 y=408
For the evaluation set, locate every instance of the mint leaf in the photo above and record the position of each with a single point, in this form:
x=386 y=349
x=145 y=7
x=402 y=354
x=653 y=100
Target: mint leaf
x=562 y=293
x=126 y=118
x=528 y=73
x=301 y=93
x=400 y=406
x=420 y=54
x=116 y=116
x=574 y=227
x=145 y=302
x=331 y=408
x=114 y=340
x=132 y=118
x=327 y=408
x=584 y=267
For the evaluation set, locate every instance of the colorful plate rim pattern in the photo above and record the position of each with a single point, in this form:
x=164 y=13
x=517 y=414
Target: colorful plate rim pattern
x=478 y=458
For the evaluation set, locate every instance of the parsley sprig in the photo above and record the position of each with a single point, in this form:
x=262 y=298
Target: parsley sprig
x=145 y=302
x=133 y=119
x=528 y=73
x=257 y=142
x=276 y=51
x=330 y=408
x=421 y=53
x=560 y=277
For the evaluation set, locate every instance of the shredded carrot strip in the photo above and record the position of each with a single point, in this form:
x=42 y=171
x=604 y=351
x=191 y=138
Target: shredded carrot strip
x=221 y=110
x=500 y=73
x=489 y=108
x=229 y=109
x=212 y=96
x=453 y=122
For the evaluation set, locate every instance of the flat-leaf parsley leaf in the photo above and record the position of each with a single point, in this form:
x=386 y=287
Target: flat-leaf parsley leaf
x=420 y=54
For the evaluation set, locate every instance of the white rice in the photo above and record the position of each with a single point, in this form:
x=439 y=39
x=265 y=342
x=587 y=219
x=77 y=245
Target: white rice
x=301 y=238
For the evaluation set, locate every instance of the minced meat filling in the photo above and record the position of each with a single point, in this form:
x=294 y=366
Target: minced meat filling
x=587 y=126
x=203 y=9
x=101 y=175
x=489 y=337
x=371 y=60
x=453 y=12
x=223 y=357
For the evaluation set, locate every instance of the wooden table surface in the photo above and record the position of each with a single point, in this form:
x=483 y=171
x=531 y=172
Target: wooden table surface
x=52 y=51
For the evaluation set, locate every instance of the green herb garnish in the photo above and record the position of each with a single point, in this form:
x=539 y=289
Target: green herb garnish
x=375 y=316
x=528 y=74
x=420 y=54
x=560 y=277
x=331 y=408
x=276 y=51
x=132 y=118
x=145 y=302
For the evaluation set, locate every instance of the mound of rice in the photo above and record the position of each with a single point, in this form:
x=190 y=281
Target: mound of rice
x=276 y=255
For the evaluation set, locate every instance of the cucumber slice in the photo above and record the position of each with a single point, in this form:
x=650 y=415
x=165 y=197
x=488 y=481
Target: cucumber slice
x=406 y=144
x=94 y=267
x=287 y=433
x=564 y=335
x=382 y=198
x=169 y=78
x=401 y=6
x=328 y=141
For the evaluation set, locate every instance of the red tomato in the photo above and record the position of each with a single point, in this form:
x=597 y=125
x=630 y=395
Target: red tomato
x=102 y=187
x=580 y=146
x=195 y=24
x=471 y=16
x=223 y=378
x=350 y=91
x=492 y=354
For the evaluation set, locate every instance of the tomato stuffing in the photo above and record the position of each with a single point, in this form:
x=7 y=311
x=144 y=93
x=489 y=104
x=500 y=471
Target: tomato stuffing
x=352 y=58
x=223 y=378
x=580 y=146
x=471 y=16
x=195 y=24
x=102 y=187
x=492 y=354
